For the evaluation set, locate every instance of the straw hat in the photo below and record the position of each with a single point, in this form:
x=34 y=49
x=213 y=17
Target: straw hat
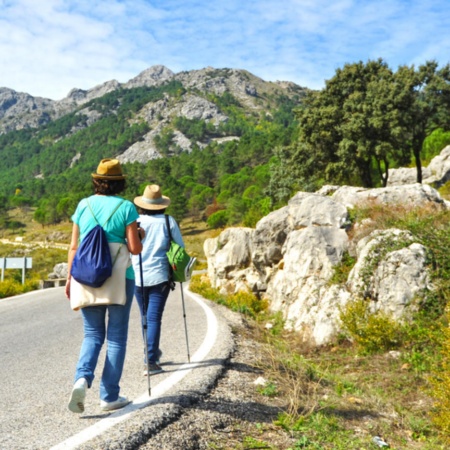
x=152 y=198
x=109 y=169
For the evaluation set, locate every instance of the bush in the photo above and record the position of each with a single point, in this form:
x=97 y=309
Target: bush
x=218 y=219
x=440 y=386
x=10 y=287
x=434 y=144
x=243 y=302
x=372 y=332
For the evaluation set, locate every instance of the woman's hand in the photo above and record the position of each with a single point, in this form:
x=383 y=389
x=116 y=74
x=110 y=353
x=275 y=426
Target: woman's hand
x=67 y=289
x=141 y=233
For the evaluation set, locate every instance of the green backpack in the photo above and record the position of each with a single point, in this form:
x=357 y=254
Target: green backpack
x=181 y=264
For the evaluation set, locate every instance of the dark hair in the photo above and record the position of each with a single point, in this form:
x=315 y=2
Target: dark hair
x=108 y=187
x=150 y=212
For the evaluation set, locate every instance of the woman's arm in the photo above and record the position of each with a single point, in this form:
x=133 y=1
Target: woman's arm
x=134 y=238
x=72 y=250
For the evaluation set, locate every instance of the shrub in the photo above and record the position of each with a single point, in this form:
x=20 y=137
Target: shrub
x=434 y=144
x=342 y=270
x=243 y=302
x=372 y=332
x=440 y=386
x=218 y=219
x=11 y=287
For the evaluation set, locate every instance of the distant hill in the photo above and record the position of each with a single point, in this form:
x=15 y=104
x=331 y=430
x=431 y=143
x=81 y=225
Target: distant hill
x=20 y=110
x=48 y=148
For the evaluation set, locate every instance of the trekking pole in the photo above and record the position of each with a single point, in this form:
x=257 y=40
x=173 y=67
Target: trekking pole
x=185 y=325
x=144 y=324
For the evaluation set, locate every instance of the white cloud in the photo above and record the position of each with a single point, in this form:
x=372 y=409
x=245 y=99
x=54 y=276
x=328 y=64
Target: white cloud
x=49 y=47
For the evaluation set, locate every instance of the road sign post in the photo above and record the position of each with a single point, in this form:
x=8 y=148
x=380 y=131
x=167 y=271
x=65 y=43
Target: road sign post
x=15 y=263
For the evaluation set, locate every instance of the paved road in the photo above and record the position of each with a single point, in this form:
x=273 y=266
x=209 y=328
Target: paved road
x=40 y=337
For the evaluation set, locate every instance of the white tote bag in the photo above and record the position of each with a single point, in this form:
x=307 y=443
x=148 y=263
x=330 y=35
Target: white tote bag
x=112 y=292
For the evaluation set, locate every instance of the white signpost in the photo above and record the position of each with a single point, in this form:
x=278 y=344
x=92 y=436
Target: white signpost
x=15 y=263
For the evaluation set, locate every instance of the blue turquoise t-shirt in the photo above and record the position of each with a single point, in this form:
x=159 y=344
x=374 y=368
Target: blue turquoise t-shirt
x=103 y=206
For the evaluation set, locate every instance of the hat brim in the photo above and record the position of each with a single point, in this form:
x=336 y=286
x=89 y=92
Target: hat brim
x=108 y=177
x=139 y=201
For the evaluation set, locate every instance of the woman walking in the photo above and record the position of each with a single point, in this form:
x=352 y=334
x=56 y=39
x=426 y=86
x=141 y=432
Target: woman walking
x=105 y=310
x=155 y=266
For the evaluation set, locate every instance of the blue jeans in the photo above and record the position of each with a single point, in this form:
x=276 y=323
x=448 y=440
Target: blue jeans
x=116 y=333
x=155 y=297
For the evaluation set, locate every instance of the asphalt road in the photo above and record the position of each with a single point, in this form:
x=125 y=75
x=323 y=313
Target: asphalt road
x=40 y=338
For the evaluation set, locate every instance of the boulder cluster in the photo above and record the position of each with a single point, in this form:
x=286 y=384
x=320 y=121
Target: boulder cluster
x=291 y=256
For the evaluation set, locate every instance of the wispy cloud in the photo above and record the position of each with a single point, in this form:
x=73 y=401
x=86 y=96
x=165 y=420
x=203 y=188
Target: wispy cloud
x=50 y=47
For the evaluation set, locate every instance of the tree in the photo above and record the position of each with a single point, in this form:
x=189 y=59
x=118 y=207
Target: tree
x=350 y=127
x=282 y=181
x=368 y=118
x=178 y=202
x=425 y=105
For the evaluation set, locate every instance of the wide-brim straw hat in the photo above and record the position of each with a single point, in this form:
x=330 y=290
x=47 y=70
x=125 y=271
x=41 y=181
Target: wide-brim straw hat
x=152 y=198
x=109 y=169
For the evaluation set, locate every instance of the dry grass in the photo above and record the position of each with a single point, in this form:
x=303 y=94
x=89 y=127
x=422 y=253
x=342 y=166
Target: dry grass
x=335 y=398
x=194 y=235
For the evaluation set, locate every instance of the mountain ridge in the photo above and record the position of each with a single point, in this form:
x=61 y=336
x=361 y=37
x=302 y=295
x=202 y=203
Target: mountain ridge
x=19 y=110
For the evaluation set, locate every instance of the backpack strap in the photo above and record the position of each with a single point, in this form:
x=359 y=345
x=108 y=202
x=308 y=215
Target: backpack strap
x=168 y=228
x=92 y=212
x=171 y=282
x=95 y=218
x=115 y=209
x=103 y=226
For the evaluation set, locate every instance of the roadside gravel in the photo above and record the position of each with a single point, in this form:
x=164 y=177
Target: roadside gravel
x=233 y=414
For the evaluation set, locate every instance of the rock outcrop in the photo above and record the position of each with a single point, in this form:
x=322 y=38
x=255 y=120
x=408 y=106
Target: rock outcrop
x=436 y=173
x=291 y=256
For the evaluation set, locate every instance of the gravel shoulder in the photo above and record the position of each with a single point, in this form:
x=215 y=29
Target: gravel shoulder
x=233 y=414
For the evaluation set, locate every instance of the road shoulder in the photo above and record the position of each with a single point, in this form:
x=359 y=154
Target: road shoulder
x=152 y=420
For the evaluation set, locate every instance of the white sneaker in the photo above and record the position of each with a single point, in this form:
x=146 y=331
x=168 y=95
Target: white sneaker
x=76 y=402
x=117 y=404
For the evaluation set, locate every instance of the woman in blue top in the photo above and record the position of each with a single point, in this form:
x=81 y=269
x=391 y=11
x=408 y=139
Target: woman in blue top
x=155 y=266
x=118 y=218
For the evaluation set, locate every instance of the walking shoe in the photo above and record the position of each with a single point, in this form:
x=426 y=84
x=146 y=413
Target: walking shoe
x=158 y=358
x=117 y=404
x=154 y=369
x=76 y=402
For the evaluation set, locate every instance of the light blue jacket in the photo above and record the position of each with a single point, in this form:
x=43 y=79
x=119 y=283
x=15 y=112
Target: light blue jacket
x=155 y=266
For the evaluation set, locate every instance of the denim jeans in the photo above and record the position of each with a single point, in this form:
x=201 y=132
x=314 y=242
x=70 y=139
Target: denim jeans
x=115 y=329
x=155 y=297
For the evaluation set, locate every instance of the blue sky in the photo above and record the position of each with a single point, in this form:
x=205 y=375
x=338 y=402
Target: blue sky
x=48 y=47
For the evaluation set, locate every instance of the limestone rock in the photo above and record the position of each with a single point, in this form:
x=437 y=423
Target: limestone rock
x=59 y=271
x=152 y=76
x=436 y=173
x=410 y=194
x=390 y=272
x=291 y=256
x=227 y=254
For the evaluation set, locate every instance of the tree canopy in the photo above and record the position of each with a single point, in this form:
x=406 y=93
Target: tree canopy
x=368 y=119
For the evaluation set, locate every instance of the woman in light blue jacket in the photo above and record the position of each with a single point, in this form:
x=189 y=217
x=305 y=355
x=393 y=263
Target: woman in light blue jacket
x=155 y=266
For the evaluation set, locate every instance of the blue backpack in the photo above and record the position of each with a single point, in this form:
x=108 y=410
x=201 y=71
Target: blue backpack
x=92 y=264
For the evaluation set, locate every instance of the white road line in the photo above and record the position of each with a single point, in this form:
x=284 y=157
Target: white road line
x=159 y=390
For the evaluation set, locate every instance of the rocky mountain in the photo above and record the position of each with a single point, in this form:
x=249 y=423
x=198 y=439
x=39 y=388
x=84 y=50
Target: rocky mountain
x=21 y=111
